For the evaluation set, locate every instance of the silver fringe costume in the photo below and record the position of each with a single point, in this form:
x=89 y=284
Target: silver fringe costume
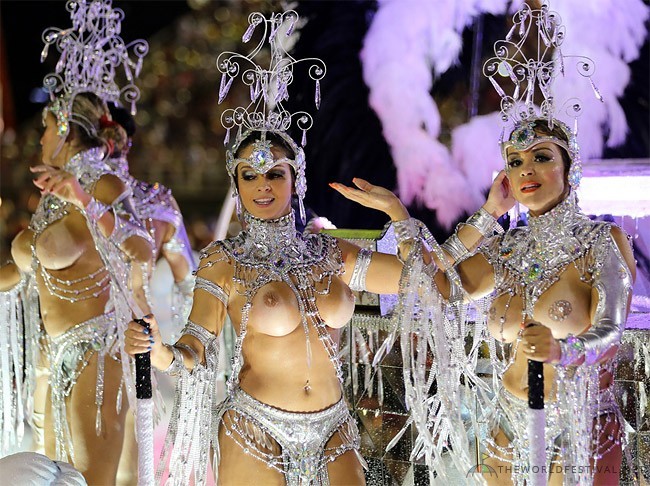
x=526 y=262
x=70 y=352
x=265 y=251
x=19 y=341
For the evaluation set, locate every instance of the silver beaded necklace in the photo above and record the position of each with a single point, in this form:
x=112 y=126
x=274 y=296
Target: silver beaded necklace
x=272 y=250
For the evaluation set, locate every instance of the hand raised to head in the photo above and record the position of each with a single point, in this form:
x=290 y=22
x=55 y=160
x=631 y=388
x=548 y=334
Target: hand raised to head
x=500 y=198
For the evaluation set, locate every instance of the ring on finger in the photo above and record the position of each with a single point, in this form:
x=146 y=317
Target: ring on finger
x=532 y=348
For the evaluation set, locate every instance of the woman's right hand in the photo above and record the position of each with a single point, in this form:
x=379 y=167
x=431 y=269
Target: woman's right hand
x=375 y=197
x=138 y=339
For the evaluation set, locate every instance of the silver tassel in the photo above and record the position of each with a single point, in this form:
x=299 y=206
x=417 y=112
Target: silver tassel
x=317 y=94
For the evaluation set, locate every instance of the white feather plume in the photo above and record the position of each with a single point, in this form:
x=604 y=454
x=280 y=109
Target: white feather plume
x=410 y=41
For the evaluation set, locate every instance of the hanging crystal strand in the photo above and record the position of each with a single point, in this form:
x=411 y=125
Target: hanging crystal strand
x=61 y=64
x=596 y=91
x=99 y=392
x=258 y=88
x=301 y=207
x=303 y=142
x=308 y=344
x=226 y=139
x=118 y=402
x=127 y=72
x=44 y=52
x=252 y=92
x=224 y=86
x=291 y=26
x=561 y=59
x=511 y=72
x=249 y=32
x=522 y=25
x=317 y=94
x=530 y=91
x=511 y=32
x=497 y=87
x=238 y=206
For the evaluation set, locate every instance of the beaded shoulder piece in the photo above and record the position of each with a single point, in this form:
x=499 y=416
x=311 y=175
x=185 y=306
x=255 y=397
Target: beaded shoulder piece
x=87 y=166
x=528 y=260
x=272 y=250
x=155 y=201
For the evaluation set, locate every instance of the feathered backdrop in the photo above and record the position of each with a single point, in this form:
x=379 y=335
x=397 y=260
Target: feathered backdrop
x=410 y=44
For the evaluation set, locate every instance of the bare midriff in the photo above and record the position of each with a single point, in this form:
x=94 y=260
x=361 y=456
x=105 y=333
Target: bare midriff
x=276 y=369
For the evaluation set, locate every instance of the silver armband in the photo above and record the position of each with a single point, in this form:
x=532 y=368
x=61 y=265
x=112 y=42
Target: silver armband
x=484 y=222
x=176 y=366
x=204 y=336
x=404 y=230
x=613 y=282
x=189 y=349
x=358 y=278
x=572 y=349
x=95 y=210
x=455 y=248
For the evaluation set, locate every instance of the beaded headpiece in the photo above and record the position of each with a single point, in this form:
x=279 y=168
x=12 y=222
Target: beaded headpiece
x=91 y=53
x=265 y=112
x=518 y=79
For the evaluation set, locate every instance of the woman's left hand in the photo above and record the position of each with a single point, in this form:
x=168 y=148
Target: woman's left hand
x=375 y=197
x=65 y=186
x=538 y=343
x=500 y=198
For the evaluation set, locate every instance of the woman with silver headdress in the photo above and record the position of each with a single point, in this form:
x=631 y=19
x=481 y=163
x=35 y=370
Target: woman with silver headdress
x=80 y=260
x=67 y=246
x=284 y=419
x=287 y=296
x=560 y=293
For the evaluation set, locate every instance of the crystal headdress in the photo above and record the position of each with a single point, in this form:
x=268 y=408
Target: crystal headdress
x=269 y=89
x=92 y=51
x=519 y=79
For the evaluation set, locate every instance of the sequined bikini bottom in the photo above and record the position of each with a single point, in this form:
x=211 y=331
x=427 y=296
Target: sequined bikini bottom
x=293 y=443
x=69 y=354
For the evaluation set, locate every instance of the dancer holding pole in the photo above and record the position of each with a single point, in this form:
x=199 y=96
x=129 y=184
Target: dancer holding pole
x=560 y=291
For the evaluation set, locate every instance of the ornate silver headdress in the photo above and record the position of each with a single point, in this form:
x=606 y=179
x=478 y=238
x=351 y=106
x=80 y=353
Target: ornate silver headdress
x=518 y=78
x=91 y=53
x=268 y=90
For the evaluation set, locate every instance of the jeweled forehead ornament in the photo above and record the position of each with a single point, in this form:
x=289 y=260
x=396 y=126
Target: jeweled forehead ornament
x=92 y=51
x=519 y=80
x=269 y=89
x=524 y=137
